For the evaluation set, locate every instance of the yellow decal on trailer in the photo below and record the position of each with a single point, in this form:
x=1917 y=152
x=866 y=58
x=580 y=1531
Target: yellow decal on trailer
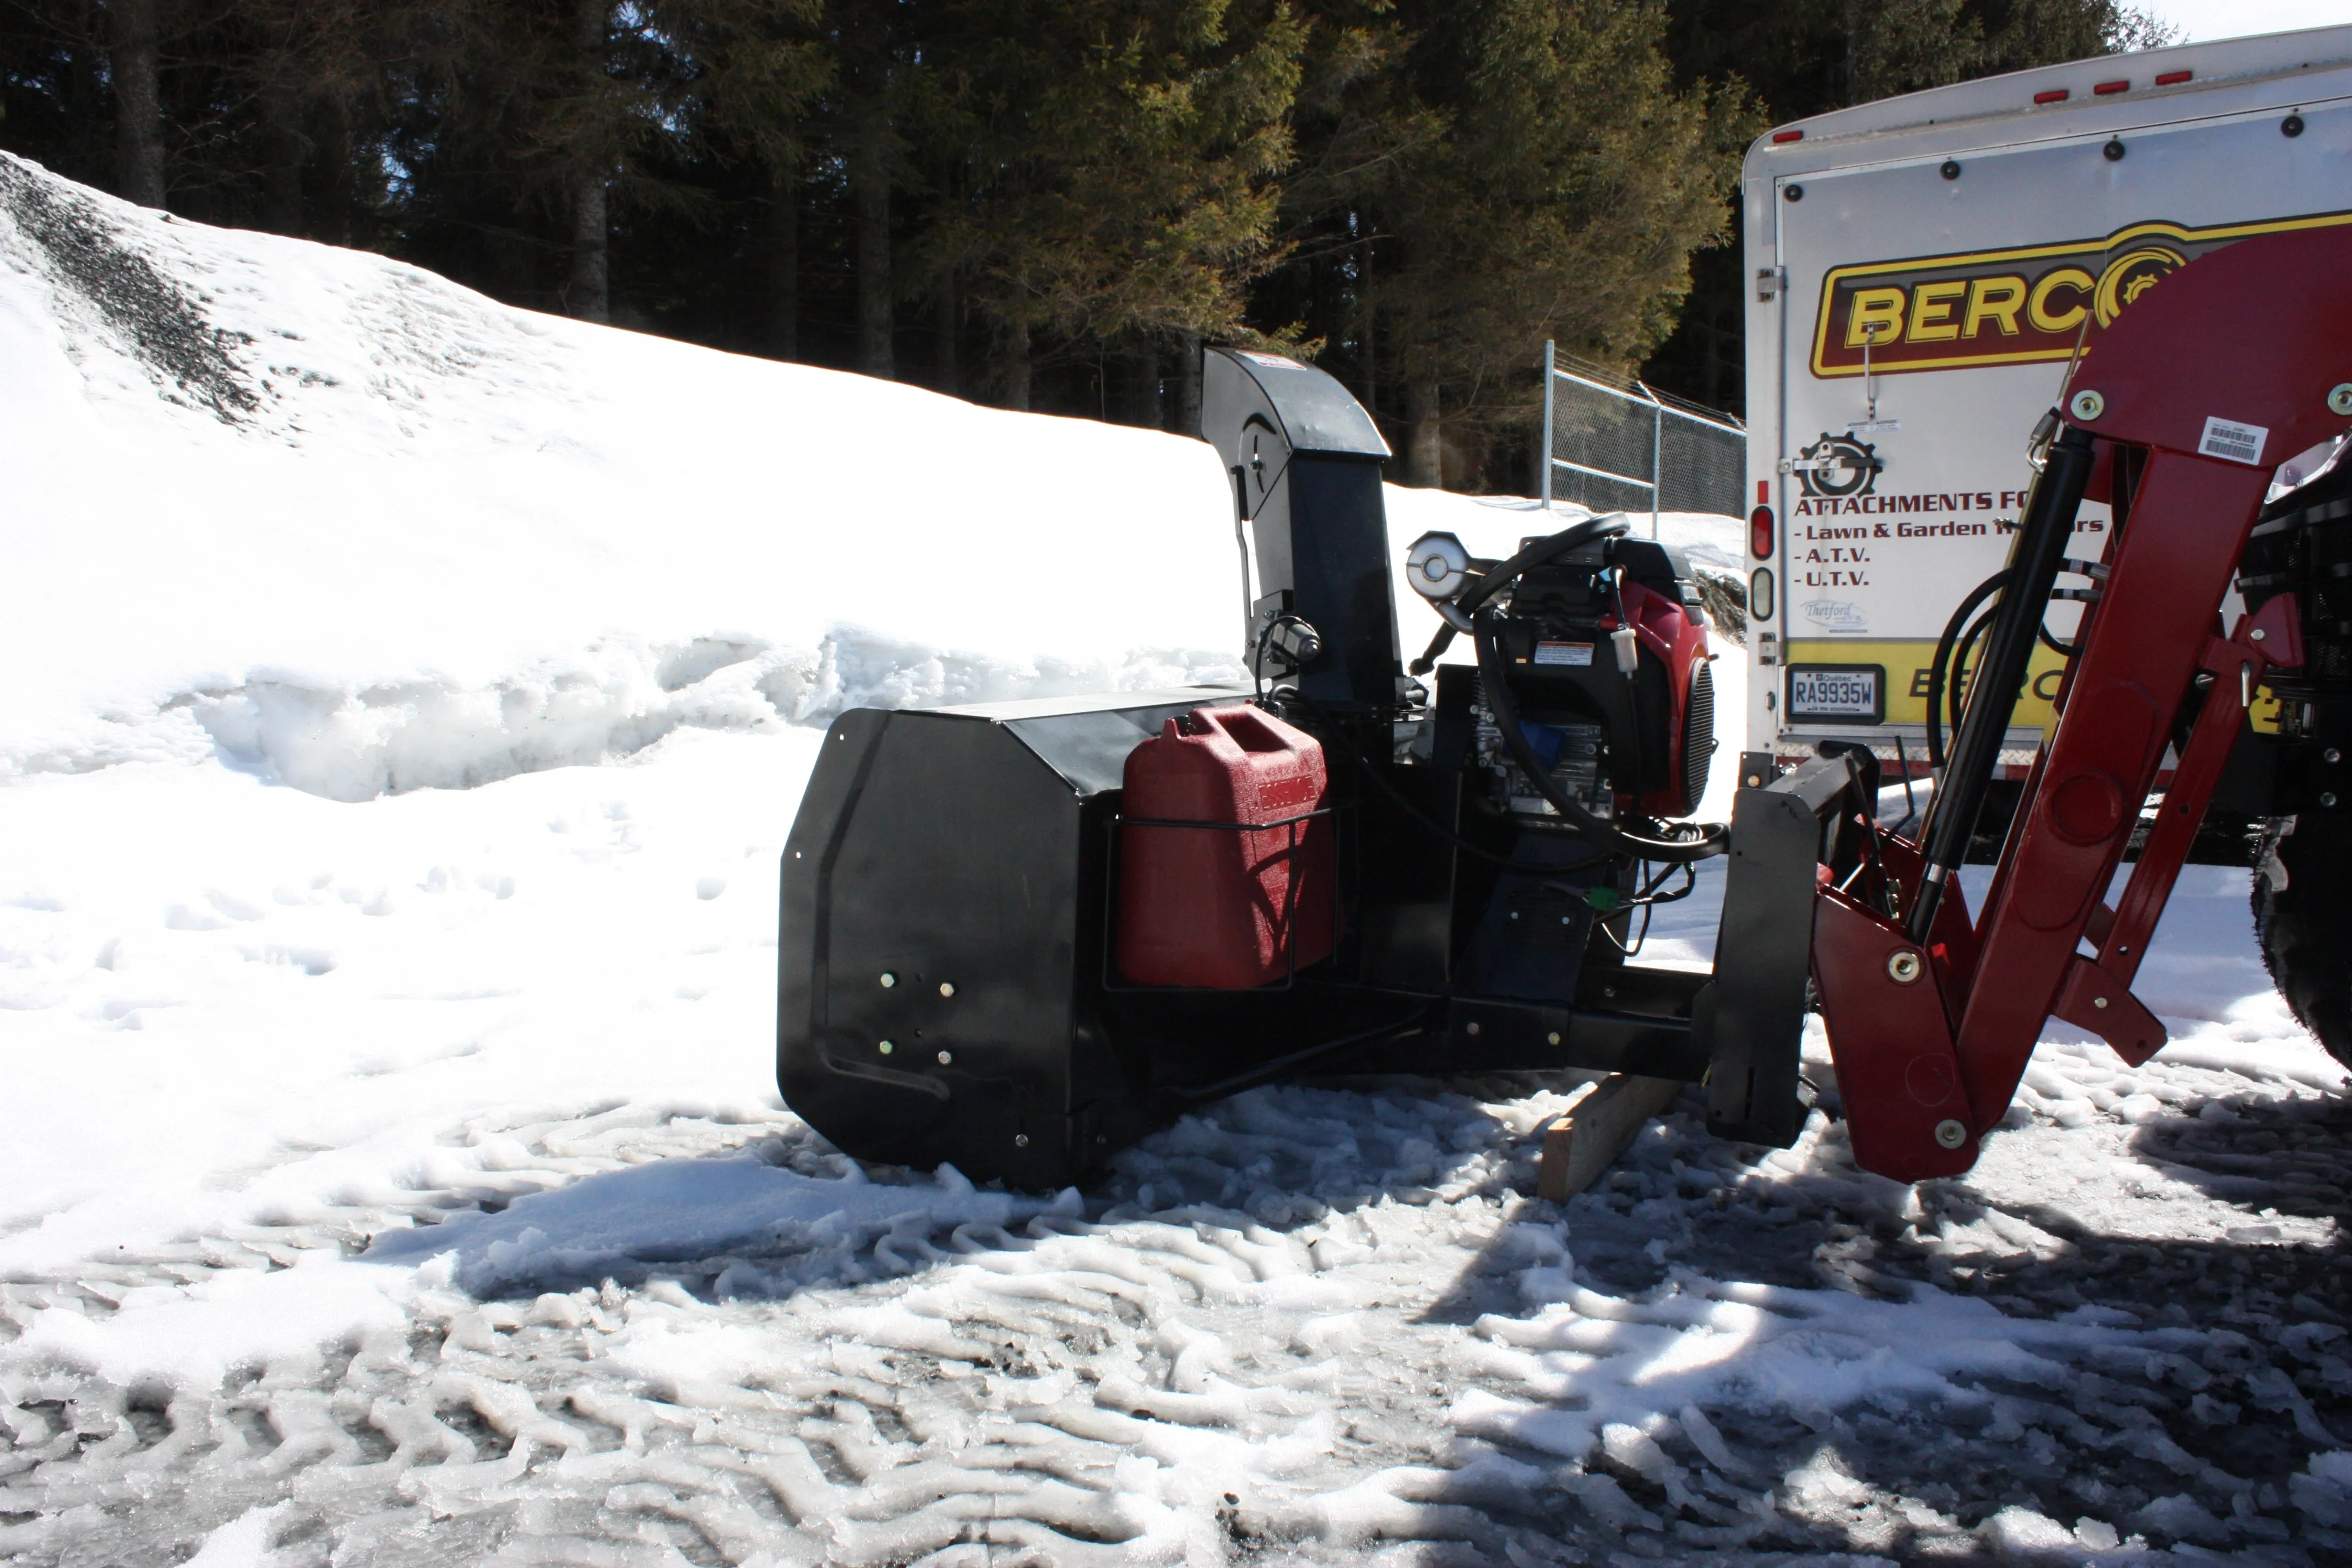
x=1906 y=665
x=2006 y=307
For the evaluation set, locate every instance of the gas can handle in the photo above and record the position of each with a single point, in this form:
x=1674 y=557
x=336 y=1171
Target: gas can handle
x=1249 y=728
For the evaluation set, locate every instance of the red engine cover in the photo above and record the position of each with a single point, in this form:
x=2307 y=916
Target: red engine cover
x=1208 y=905
x=1676 y=637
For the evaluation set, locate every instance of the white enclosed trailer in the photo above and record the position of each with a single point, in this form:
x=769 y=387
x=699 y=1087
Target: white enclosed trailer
x=1924 y=269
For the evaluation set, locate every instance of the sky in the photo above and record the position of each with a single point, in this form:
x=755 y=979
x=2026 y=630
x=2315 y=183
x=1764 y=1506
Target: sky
x=2205 y=19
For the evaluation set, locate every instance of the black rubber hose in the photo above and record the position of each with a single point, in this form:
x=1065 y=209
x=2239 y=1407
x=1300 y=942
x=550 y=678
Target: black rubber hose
x=1938 y=666
x=1956 y=694
x=1535 y=554
x=1494 y=683
x=2036 y=558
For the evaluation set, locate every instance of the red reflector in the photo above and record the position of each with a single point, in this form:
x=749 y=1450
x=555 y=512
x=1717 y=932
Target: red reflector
x=2105 y=88
x=2056 y=95
x=1759 y=533
x=2173 y=79
x=1763 y=492
x=1781 y=136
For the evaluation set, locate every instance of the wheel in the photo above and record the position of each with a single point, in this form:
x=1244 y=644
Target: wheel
x=2305 y=927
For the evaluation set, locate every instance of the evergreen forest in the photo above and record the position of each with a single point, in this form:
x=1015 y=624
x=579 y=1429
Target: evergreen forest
x=1045 y=205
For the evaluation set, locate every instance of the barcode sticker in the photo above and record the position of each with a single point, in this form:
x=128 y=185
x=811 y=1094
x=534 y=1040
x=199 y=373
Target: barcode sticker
x=1579 y=654
x=2238 y=443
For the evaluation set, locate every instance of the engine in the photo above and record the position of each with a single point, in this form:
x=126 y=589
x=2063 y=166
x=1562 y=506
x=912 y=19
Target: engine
x=1604 y=650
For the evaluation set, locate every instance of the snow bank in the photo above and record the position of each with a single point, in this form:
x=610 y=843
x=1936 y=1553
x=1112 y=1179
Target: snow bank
x=359 y=529
x=365 y=530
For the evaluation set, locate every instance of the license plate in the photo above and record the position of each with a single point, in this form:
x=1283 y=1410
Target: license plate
x=1836 y=692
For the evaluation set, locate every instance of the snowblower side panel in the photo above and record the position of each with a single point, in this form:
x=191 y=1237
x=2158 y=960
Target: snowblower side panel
x=941 y=928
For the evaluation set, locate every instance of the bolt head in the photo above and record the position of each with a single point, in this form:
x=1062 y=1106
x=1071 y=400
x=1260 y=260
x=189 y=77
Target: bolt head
x=1904 y=967
x=946 y=989
x=1552 y=1038
x=1950 y=1133
x=2340 y=398
x=1470 y=1029
x=2086 y=405
x=888 y=980
x=1021 y=1139
x=2332 y=755
x=2327 y=798
x=2100 y=1003
x=886 y=1047
x=946 y=1056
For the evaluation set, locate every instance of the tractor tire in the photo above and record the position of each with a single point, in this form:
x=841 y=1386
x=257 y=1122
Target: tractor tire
x=2306 y=928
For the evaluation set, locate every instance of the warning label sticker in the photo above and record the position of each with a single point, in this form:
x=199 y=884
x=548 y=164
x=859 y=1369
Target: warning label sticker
x=2237 y=443
x=1573 y=653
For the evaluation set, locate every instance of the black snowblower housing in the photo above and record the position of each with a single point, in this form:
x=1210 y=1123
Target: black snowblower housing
x=1476 y=857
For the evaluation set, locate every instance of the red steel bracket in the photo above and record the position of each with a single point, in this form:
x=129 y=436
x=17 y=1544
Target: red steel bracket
x=2095 y=1000
x=1883 y=1003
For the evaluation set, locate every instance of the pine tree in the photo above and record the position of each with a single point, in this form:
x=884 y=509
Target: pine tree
x=1116 y=181
x=1488 y=173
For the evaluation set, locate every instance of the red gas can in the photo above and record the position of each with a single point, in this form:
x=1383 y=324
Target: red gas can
x=1225 y=901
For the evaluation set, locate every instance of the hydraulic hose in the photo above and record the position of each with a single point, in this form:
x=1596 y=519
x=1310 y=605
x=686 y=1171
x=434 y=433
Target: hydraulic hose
x=1956 y=696
x=1939 y=668
x=2040 y=553
x=1494 y=683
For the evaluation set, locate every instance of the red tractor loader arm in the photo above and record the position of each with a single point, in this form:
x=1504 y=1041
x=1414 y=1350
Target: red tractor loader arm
x=2192 y=399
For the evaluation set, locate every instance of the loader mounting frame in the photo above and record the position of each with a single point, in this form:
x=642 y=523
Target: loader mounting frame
x=1932 y=1016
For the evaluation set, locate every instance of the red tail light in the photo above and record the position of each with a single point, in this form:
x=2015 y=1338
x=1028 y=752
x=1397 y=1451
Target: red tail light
x=1759 y=533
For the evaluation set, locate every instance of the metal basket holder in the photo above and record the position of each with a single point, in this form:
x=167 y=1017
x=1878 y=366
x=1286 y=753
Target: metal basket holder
x=1120 y=986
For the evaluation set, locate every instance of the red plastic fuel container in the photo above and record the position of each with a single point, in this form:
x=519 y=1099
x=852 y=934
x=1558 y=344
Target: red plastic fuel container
x=1228 y=900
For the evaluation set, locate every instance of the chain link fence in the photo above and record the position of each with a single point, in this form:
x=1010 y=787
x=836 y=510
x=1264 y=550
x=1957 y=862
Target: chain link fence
x=1615 y=446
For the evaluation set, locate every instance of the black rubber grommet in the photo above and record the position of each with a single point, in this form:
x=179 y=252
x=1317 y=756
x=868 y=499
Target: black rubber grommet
x=1794 y=193
x=2114 y=150
x=1951 y=170
x=2291 y=126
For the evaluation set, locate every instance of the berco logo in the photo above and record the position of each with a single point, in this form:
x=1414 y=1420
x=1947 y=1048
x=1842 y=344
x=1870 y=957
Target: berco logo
x=2005 y=307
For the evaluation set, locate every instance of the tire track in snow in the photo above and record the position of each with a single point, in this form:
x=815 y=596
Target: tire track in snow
x=1315 y=1324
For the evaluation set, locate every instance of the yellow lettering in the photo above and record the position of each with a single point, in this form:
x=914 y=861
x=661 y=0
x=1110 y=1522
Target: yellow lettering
x=1931 y=312
x=1994 y=300
x=2037 y=308
x=1875 y=317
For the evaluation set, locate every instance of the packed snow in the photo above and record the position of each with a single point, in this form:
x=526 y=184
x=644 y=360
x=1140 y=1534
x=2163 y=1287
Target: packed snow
x=408 y=699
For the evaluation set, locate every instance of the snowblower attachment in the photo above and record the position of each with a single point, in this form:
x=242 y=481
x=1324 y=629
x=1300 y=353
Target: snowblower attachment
x=1017 y=936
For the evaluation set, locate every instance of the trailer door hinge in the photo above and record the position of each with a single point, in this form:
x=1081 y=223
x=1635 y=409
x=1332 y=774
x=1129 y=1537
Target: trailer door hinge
x=1770 y=280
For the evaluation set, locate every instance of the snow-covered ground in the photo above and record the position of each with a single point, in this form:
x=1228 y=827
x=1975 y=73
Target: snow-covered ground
x=407 y=698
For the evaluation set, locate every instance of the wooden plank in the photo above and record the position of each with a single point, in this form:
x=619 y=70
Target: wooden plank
x=1588 y=1137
